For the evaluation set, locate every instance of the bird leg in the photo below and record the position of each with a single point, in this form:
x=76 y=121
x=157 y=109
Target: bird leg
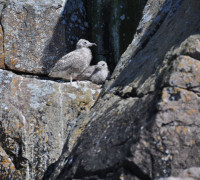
x=78 y=82
x=71 y=80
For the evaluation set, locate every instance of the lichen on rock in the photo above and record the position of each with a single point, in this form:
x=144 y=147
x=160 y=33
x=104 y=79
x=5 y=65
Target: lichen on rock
x=145 y=123
x=28 y=28
x=36 y=118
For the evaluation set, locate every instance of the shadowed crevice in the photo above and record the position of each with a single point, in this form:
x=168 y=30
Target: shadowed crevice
x=71 y=27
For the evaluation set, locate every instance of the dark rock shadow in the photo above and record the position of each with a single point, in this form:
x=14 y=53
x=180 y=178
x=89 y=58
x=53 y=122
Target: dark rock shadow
x=71 y=26
x=55 y=49
x=112 y=26
x=84 y=155
x=98 y=22
x=149 y=55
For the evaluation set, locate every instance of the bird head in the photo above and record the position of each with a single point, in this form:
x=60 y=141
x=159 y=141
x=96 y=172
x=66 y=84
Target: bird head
x=102 y=65
x=84 y=43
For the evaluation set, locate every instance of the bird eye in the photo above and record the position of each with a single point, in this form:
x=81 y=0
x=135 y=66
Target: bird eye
x=85 y=42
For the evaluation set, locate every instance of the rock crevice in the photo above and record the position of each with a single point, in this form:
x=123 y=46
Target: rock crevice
x=145 y=123
x=152 y=98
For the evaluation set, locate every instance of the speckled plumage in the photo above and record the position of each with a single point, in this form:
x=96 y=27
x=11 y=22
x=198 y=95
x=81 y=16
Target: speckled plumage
x=97 y=73
x=74 y=63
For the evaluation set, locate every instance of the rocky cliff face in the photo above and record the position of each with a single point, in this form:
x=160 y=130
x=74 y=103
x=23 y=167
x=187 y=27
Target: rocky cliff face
x=37 y=114
x=27 y=28
x=143 y=126
x=37 y=117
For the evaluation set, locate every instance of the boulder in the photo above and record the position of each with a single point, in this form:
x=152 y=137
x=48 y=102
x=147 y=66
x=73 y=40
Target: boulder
x=192 y=173
x=146 y=122
x=28 y=28
x=36 y=117
x=36 y=34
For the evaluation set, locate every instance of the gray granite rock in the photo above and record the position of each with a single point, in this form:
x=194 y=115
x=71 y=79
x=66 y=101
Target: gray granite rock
x=146 y=123
x=37 y=34
x=28 y=29
x=36 y=117
x=192 y=173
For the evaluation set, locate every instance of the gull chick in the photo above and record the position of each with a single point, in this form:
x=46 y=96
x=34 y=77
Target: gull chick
x=97 y=73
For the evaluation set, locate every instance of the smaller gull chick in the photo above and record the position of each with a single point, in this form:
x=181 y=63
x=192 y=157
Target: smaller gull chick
x=97 y=73
x=74 y=63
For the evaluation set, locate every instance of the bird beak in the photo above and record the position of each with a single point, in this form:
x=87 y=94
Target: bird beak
x=93 y=44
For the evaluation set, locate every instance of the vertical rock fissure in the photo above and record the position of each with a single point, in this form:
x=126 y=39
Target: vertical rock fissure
x=112 y=27
x=61 y=115
x=2 y=56
x=2 y=39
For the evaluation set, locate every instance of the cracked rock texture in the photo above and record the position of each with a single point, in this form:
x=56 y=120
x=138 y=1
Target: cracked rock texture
x=192 y=173
x=2 y=55
x=36 y=117
x=145 y=125
x=28 y=29
x=2 y=66
x=36 y=33
x=37 y=114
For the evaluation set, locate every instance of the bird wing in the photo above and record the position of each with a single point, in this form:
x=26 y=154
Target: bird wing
x=72 y=60
x=90 y=70
x=87 y=73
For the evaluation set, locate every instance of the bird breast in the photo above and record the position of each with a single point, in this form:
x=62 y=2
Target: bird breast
x=87 y=55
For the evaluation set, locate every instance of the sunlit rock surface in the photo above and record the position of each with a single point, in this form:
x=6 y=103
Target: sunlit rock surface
x=192 y=173
x=146 y=123
x=28 y=29
x=38 y=33
x=36 y=117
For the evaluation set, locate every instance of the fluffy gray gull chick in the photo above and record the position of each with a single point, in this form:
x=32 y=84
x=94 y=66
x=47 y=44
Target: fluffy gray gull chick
x=97 y=73
x=73 y=63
